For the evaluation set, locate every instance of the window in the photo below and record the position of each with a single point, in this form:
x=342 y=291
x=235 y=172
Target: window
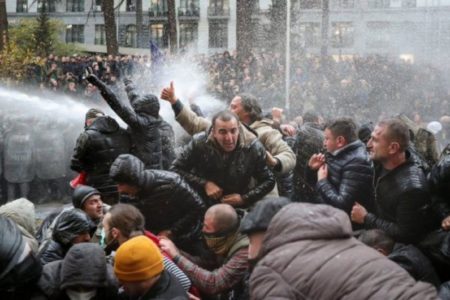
x=310 y=4
x=131 y=36
x=50 y=6
x=218 y=8
x=188 y=34
x=343 y=4
x=309 y=34
x=75 y=33
x=218 y=34
x=131 y=5
x=409 y=3
x=98 y=5
x=100 y=38
x=342 y=34
x=379 y=3
x=189 y=8
x=378 y=34
x=22 y=6
x=158 y=8
x=158 y=34
x=75 y=5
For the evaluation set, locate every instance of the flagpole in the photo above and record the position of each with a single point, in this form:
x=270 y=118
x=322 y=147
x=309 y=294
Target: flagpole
x=288 y=52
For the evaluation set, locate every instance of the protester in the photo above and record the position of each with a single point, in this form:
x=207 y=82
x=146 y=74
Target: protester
x=221 y=162
x=139 y=268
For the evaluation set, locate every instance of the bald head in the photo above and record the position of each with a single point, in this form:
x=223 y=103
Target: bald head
x=220 y=218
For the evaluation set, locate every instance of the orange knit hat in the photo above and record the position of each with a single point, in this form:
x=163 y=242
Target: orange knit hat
x=138 y=259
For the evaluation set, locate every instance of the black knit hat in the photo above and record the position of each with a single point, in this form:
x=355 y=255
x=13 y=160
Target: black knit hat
x=81 y=194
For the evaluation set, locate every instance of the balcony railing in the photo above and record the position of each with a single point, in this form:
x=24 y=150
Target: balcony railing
x=189 y=12
x=217 y=11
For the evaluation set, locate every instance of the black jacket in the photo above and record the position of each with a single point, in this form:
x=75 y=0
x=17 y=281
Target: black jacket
x=164 y=198
x=415 y=262
x=309 y=140
x=439 y=179
x=142 y=119
x=285 y=182
x=202 y=160
x=166 y=288
x=69 y=225
x=96 y=149
x=403 y=203
x=167 y=144
x=350 y=176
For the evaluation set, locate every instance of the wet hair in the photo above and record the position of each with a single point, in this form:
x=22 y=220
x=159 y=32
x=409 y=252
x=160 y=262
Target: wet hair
x=126 y=218
x=310 y=117
x=251 y=106
x=225 y=116
x=344 y=127
x=397 y=131
x=376 y=238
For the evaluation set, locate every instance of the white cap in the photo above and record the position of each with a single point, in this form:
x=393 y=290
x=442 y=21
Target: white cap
x=434 y=127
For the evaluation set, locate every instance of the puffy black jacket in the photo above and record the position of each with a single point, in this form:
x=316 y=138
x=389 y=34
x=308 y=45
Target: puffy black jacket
x=350 y=176
x=439 y=179
x=142 y=119
x=309 y=140
x=167 y=144
x=415 y=262
x=403 y=203
x=202 y=160
x=68 y=226
x=96 y=149
x=164 y=198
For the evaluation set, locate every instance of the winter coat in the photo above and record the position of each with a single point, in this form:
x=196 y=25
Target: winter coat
x=285 y=181
x=415 y=262
x=142 y=119
x=21 y=211
x=402 y=203
x=166 y=288
x=309 y=141
x=167 y=144
x=95 y=151
x=58 y=276
x=350 y=176
x=164 y=198
x=69 y=225
x=19 y=268
x=202 y=160
x=308 y=252
x=439 y=180
x=269 y=137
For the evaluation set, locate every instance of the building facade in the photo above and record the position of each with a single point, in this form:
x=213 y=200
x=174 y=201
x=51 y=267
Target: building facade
x=412 y=29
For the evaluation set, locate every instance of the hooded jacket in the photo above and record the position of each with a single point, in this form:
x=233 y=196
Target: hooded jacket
x=142 y=119
x=308 y=252
x=164 y=198
x=21 y=211
x=84 y=266
x=203 y=160
x=69 y=225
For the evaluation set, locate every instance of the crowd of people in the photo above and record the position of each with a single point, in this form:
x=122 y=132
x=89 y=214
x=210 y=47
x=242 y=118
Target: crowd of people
x=255 y=204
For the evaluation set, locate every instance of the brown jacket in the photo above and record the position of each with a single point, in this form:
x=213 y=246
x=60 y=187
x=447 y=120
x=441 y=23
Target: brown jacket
x=308 y=253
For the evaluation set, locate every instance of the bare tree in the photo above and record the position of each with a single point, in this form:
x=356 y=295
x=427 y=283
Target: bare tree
x=171 y=16
x=244 y=26
x=3 y=25
x=110 y=27
x=139 y=17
